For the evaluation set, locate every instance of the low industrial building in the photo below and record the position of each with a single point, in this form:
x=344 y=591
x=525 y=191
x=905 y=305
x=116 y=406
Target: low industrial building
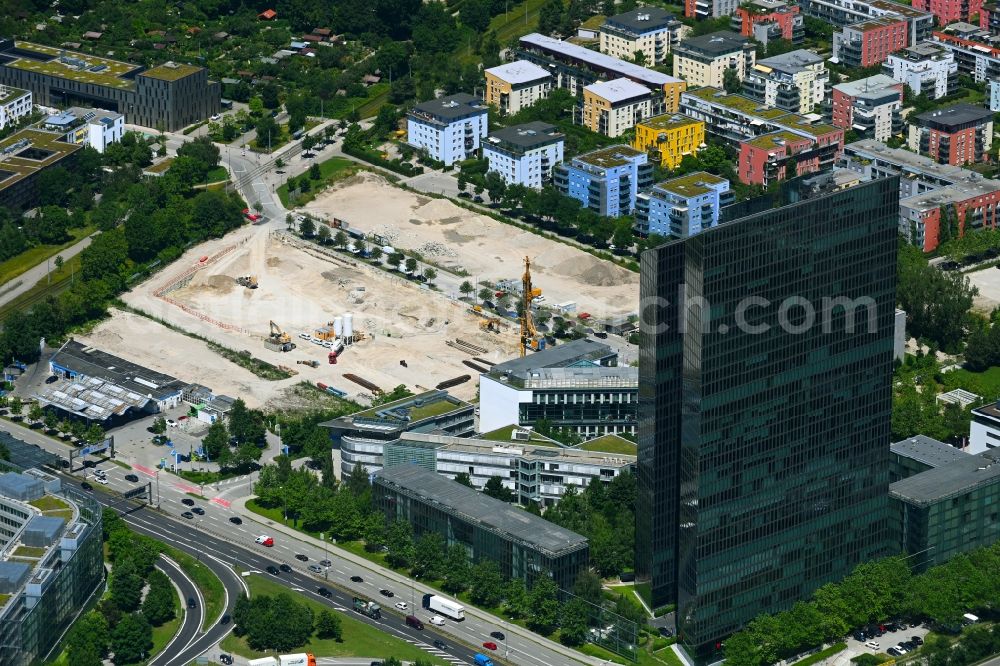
x=928 y=68
x=703 y=61
x=576 y=385
x=516 y=85
x=613 y=107
x=606 y=180
x=51 y=562
x=536 y=470
x=683 y=206
x=668 y=138
x=450 y=129
x=524 y=546
x=957 y=135
x=14 y=105
x=23 y=156
x=96 y=128
x=871 y=107
x=104 y=388
x=651 y=31
x=525 y=154
x=795 y=81
x=767 y=20
x=869 y=43
x=362 y=436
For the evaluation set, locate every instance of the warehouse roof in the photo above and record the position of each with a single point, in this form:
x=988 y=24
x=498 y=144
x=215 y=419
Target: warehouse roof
x=955 y=478
x=927 y=450
x=481 y=510
x=519 y=71
x=618 y=90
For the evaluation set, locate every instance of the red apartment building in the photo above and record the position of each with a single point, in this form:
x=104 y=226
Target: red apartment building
x=870 y=42
x=976 y=206
x=958 y=135
x=871 y=107
x=780 y=155
x=778 y=13
x=949 y=11
x=989 y=18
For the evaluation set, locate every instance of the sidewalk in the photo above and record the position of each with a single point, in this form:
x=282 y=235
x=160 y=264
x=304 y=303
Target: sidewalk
x=239 y=506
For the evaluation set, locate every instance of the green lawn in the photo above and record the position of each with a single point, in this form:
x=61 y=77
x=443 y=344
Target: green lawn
x=514 y=24
x=28 y=551
x=435 y=408
x=218 y=174
x=360 y=639
x=163 y=633
x=31 y=257
x=59 y=281
x=822 y=654
x=207 y=582
x=48 y=502
x=610 y=444
x=504 y=435
x=985 y=384
x=331 y=170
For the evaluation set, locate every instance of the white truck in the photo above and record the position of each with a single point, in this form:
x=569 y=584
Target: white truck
x=300 y=659
x=446 y=607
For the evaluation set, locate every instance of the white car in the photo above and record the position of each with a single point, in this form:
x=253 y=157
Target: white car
x=401 y=605
x=437 y=621
x=304 y=336
x=216 y=117
x=872 y=644
x=171 y=423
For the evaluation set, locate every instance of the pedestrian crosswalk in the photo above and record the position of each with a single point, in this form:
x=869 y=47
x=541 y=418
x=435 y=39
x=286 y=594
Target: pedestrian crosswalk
x=434 y=651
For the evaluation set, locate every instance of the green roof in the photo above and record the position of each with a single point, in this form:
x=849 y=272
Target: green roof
x=690 y=185
x=610 y=444
x=20 y=166
x=109 y=76
x=506 y=434
x=755 y=109
x=668 y=121
x=12 y=94
x=769 y=141
x=170 y=71
x=437 y=405
x=610 y=157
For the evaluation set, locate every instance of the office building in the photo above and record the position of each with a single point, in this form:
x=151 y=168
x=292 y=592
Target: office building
x=703 y=61
x=871 y=107
x=576 y=385
x=927 y=68
x=170 y=96
x=24 y=156
x=361 y=436
x=524 y=546
x=450 y=129
x=613 y=107
x=573 y=66
x=516 y=85
x=976 y=51
x=949 y=11
x=841 y=13
x=795 y=81
x=51 y=561
x=683 y=206
x=96 y=128
x=869 y=43
x=535 y=469
x=14 y=105
x=766 y=20
x=956 y=135
x=667 y=139
x=651 y=31
x=947 y=510
x=606 y=180
x=709 y=9
x=984 y=430
x=764 y=435
x=525 y=154
x=779 y=156
x=919 y=454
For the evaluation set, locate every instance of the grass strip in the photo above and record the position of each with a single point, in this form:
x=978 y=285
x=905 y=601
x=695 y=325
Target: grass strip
x=212 y=591
x=822 y=654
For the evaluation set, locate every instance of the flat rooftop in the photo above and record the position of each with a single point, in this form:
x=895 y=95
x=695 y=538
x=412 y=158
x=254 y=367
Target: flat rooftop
x=560 y=356
x=98 y=364
x=692 y=184
x=519 y=71
x=950 y=194
x=715 y=44
x=668 y=121
x=170 y=71
x=618 y=90
x=642 y=20
x=956 y=116
x=774 y=140
x=29 y=151
x=753 y=109
x=608 y=158
x=452 y=107
x=481 y=510
x=921 y=51
x=71 y=65
x=876 y=150
x=596 y=59
x=526 y=136
x=949 y=480
x=791 y=62
x=578 y=376
x=873 y=86
x=927 y=450
x=8 y=94
x=523 y=449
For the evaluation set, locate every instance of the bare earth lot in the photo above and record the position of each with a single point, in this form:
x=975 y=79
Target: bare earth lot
x=459 y=239
x=987 y=281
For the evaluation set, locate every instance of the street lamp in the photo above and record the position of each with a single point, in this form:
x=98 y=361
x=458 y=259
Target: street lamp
x=326 y=569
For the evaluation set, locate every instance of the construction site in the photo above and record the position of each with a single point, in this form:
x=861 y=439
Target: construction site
x=332 y=321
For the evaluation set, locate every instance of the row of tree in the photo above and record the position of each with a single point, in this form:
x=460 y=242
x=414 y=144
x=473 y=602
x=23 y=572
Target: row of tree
x=937 y=302
x=49 y=418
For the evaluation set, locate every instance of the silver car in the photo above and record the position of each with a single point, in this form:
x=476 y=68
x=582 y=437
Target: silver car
x=315 y=568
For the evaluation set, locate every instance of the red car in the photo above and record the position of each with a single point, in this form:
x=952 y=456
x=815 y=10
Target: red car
x=253 y=217
x=490 y=645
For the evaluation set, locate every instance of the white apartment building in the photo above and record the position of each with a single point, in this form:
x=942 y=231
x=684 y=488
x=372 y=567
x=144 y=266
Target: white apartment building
x=927 y=68
x=14 y=105
x=651 y=31
x=516 y=85
x=525 y=154
x=795 y=81
x=450 y=129
x=96 y=128
x=703 y=61
x=613 y=107
x=994 y=96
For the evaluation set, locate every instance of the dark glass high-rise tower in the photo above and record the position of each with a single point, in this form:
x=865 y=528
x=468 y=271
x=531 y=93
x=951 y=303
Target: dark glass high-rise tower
x=765 y=398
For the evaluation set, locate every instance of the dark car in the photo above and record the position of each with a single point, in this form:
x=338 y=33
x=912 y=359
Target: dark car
x=132 y=478
x=273 y=570
x=893 y=652
x=188 y=515
x=191 y=603
x=323 y=592
x=666 y=632
x=226 y=659
x=357 y=579
x=51 y=379
x=497 y=635
x=440 y=645
x=326 y=563
x=860 y=636
x=226 y=619
x=301 y=558
x=187 y=501
x=285 y=568
x=86 y=486
x=236 y=520
x=917 y=640
x=200 y=511
x=386 y=593
x=376 y=663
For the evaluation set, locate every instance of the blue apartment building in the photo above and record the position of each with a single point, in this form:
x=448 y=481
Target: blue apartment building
x=450 y=129
x=607 y=180
x=684 y=206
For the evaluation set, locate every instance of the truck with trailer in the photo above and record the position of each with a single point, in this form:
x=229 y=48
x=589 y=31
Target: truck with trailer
x=367 y=607
x=300 y=659
x=443 y=606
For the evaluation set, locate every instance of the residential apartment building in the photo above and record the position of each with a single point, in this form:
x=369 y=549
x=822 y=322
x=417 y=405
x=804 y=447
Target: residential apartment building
x=515 y=85
x=613 y=107
x=523 y=545
x=577 y=385
x=651 y=31
x=450 y=129
x=606 y=180
x=927 y=68
x=681 y=207
x=957 y=135
x=25 y=155
x=709 y=9
x=842 y=13
x=779 y=156
x=869 y=43
x=14 y=105
x=96 y=128
x=994 y=90
x=171 y=95
x=974 y=204
x=949 y=11
x=537 y=472
x=989 y=18
x=795 y=81
x=667 y=139
x=765 y=20
x=871 y=107
x=703 y=61
x=525 y=154
x=748 y=499
x=573 y=66
x=976 y=51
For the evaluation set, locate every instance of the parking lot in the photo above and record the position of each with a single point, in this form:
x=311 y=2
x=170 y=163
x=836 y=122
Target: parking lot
x=887 y=640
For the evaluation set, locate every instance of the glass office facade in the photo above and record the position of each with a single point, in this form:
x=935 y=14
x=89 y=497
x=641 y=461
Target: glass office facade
x=764 y=416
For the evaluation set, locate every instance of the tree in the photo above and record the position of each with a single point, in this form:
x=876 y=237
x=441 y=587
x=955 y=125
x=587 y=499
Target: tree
x=35 y=412
x=158 y=606
x=375 y=254
x=486 y=583
x=463 y=478
x=131 y=639
x=87 y=642
x=201 y=149
x=276 y=622
x=550 y=16
x=340 y=240
x=95 y=434
x=314 y=172
x=573 y=623
x=428 y=556
x=543 y=606
x=245 y=425
x=51 y=419
x=307 y=228
x=411 y=265
x=323 y=235
x=328 y=626
x=429 y=275
x=485 y=294
x=216 y=441
x=126 y=586
x=516 y=600
x=269 y=96
x=494 y=488
x=399 y=541
x=456 y=568
x=496 y=186
x=465 y=289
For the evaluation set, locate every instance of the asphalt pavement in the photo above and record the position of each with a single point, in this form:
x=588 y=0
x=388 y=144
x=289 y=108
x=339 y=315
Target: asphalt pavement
x=193 y=618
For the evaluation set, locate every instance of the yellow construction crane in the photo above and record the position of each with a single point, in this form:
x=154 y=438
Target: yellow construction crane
x=529 y=335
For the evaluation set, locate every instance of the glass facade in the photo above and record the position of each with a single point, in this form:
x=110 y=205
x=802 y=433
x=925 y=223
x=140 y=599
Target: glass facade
x=764 y=414
x=586 y=411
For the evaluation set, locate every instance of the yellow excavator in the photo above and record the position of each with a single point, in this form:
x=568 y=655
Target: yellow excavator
x=248 y=281
x=278 y=340
x=491 y=325
x=529 y=335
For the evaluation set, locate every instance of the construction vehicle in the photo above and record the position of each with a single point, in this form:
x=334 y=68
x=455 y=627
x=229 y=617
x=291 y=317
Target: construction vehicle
x=248 y=281
x=311 y=363
x=335 y=351
x=278 y=340
x=491 y=325
x=366 y=607
x=529 y=334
